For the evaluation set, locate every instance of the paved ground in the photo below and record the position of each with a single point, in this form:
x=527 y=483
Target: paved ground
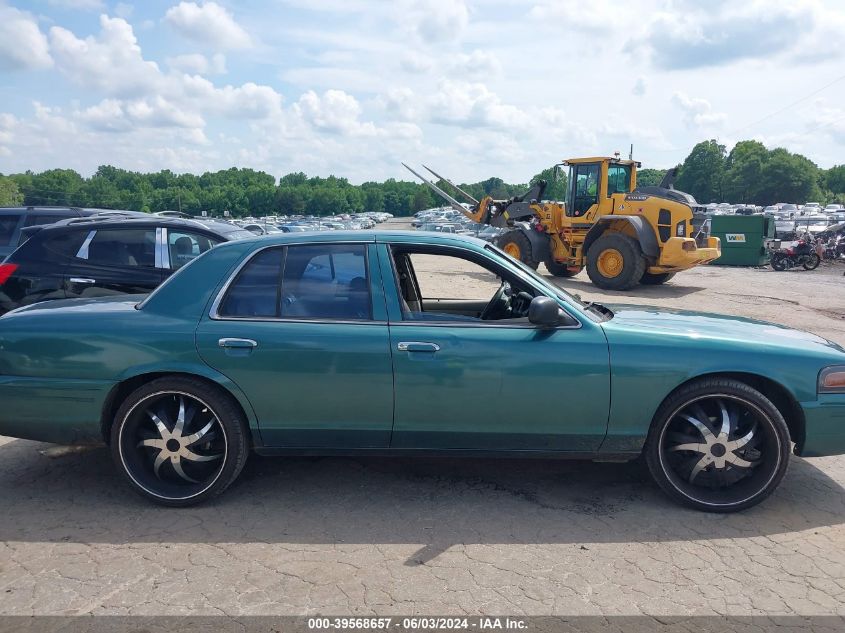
x=356 y=536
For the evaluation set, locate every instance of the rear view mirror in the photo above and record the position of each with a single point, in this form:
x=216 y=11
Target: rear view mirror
x=544 y=312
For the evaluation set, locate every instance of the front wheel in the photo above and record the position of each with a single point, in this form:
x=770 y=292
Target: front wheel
x=718 y=445
x=516 y=244
x=778 y=262
x=615 y=262
x=179 y=441
x=812 y=262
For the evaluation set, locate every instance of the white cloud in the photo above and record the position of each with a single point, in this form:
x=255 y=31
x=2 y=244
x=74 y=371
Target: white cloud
x=573 y=15
x=110 y=62
x=209 y=23
x=416 y=63
x=640 y=86
x=22 y=44
x=199 y=64
x=698 y=112
x=478 y=65
x=434 y=20
x=690 y=35
x=473 y=105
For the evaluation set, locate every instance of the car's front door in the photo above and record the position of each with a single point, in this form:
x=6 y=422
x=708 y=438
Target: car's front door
x=466 y=382
x=302 y=330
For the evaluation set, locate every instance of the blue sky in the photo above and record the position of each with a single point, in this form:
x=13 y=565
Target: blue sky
x=472 y=87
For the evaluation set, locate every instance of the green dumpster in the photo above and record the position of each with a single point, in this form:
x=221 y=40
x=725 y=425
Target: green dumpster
x=744 y=238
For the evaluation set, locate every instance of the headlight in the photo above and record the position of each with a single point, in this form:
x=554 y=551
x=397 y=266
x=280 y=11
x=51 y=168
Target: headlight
x=832 y=379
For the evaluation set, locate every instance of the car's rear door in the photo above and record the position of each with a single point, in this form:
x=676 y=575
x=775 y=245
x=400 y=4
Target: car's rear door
x=114 y=261
x=302 y=330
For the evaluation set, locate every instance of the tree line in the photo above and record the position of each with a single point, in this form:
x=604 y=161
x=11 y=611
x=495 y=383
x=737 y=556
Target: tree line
x=750 y=173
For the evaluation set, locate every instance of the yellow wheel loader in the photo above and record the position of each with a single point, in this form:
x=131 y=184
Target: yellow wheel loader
x=622 y=234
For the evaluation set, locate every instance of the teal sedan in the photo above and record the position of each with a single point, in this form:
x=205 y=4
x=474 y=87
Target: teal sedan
x=397 y=343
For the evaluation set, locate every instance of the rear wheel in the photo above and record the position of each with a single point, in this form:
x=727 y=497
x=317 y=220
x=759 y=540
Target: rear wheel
x=561 y=270
x=179 y=441
x=516 y=244
x=812 y=262
x=655 y=279
x=718 y=445
x=615 y=262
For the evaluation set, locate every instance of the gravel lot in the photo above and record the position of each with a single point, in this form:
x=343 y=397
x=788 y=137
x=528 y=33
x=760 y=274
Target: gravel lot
x=436 y=535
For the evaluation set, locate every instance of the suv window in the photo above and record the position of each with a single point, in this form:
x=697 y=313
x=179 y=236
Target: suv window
x=185 y=246
x=121 y=247
x=325 y=281
x=8 y=224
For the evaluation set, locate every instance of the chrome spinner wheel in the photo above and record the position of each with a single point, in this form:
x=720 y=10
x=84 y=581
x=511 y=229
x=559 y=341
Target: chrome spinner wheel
x=717 y=444
x=720 y=450
x=172 y=445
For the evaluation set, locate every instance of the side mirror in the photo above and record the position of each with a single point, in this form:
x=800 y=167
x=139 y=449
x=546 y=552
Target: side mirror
x=544 y=312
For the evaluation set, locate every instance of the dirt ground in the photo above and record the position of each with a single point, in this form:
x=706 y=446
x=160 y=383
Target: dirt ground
x=437 y=535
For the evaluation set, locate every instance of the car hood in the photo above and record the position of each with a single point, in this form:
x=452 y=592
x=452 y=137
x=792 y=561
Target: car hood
x=701 y=325
x=98 y=305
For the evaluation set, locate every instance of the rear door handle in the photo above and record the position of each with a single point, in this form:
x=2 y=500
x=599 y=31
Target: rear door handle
x=82 y=280
x=417 y=346
x=237 y=343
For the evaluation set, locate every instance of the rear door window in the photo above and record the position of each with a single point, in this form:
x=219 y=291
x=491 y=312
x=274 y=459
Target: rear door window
x=8 y=224
x=323 y=281
x=326 y=281
x=121 y=247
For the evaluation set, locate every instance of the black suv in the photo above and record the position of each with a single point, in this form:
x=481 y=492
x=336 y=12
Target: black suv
x=13 y=220
x=104 y=255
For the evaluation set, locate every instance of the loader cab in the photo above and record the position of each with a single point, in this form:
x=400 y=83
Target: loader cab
x=593 y=181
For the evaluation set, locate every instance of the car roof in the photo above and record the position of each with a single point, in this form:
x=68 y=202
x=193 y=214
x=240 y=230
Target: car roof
x=135 y=219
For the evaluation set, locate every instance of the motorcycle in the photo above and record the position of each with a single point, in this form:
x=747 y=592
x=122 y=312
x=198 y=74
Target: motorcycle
x=835 y=247
x=800 y=253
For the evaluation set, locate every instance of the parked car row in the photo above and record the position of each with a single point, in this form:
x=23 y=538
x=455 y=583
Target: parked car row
x=448 y=220
x=297 y=223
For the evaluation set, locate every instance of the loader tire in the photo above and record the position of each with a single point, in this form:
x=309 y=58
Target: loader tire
x=615 y=262
x=561 y=270
x=518 y=246
x=655 y=279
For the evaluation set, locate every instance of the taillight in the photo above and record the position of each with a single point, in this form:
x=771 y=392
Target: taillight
x=6 y=271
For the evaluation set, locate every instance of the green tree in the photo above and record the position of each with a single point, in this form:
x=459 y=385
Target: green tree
x=10 y=195
x=650 y=177
x=702 y=171
x=744 y=167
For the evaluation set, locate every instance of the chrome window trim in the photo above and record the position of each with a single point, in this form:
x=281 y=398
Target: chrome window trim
x=162 y=254
x=214 y=311
x=82 y=253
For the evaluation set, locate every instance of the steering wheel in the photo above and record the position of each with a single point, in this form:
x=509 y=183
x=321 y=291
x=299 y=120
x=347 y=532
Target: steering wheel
x=499 y=302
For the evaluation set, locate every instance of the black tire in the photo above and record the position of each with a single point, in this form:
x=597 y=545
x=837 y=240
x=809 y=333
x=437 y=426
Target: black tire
x=655 y=279
x=520 y=241
x=778 y=262
x=748 y=473
x=633 y=262
x=812 y=262
x=167 y=466
x=560 y=270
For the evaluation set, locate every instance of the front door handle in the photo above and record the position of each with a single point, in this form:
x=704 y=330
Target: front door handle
x=418 y=346
x=237 y=343
x=82 y=280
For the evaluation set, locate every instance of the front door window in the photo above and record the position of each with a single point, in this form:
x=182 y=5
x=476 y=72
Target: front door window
x=586 y=188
